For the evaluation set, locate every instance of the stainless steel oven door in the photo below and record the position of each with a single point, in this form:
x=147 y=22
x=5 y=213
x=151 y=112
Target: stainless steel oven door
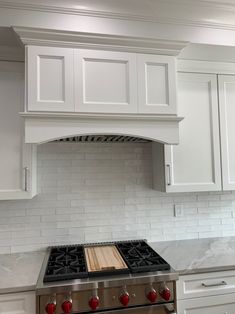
x=153 y=309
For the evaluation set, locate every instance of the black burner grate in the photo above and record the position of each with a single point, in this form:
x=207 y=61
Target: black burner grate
x=140 y=257
x=69 y=262
x=66 y=262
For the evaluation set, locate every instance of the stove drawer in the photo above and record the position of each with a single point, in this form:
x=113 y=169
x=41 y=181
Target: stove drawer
x=205 y=284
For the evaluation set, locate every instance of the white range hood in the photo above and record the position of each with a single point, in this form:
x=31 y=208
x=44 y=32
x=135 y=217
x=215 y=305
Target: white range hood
x=141 y=69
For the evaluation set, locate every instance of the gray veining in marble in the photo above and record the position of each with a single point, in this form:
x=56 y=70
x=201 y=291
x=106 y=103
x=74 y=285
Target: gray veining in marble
x=19 y=272
x=199 y=255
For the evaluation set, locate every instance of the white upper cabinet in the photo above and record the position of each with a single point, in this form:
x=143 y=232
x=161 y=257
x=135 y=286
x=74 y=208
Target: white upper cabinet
x=120 y=82
x=17 y=160
x=156 y=84
x=50 y=79
x=99 y=81
x=227 y=129
x=194 y=164
x=105 y=81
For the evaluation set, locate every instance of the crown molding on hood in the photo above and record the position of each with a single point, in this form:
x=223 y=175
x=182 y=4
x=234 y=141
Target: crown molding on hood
x=45 y=127
x=49 y=37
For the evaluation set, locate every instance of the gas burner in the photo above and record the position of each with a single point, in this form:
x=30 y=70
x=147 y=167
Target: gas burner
x=140 y=257
x=66 y=262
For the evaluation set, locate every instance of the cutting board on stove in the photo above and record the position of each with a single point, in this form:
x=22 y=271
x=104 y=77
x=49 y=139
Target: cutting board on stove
x=104 y=258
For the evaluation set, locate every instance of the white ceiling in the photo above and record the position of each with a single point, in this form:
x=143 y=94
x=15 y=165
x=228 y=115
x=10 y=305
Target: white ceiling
x=229 y=2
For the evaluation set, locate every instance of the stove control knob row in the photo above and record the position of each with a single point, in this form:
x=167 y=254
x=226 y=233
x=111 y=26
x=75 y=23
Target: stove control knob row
x=94 y=302
x=124 y=298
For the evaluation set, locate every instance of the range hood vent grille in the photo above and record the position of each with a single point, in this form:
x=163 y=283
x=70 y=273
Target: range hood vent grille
x=104 y=139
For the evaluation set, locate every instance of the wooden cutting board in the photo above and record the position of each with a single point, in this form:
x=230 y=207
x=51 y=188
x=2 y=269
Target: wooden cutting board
x=101 y=258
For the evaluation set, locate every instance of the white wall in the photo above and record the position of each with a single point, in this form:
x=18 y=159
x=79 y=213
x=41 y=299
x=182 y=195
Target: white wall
x=102 y=191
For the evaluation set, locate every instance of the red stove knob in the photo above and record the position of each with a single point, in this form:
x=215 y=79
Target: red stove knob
x=50 y=308
x=67 y=306
x=94 y=302
x=165 y=293
x=124 y=298
x=152 y=295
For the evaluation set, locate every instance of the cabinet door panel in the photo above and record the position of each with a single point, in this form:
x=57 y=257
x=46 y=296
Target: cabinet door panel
x=50 y=70
x=227 y=128
x=206 y=284
x=105 y=81
x=222 y=304
x=18 y=303
x=156 y=84
x=17 y=160
x=194 y=164
x=50 y=79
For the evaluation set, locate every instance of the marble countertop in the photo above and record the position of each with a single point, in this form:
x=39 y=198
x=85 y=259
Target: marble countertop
x=19 y=272
x=199 y=255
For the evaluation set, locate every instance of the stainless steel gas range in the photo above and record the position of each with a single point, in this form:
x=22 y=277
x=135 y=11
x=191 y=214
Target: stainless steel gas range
x=118 y=277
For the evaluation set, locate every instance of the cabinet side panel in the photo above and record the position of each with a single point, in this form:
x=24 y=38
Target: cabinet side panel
x=227 y=126
x=158 y=167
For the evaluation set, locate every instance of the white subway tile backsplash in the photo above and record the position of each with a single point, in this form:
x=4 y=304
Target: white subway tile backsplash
x=228 y=233
x=5 y=249
x=211 y=234
x=12 y=213
x=5 y=234
x=26 y=233
x=103 y=191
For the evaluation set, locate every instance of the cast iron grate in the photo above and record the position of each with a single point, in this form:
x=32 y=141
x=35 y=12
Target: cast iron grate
x=140 y=257
x=66 y=262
